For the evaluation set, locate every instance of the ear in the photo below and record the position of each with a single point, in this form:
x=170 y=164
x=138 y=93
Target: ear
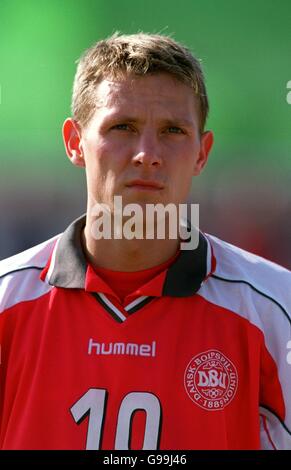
x=72 y=141
x=206 y=143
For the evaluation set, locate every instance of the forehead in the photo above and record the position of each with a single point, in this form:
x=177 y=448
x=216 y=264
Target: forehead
x=159 y=93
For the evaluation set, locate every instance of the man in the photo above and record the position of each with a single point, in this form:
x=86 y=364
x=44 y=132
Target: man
x=119 y=342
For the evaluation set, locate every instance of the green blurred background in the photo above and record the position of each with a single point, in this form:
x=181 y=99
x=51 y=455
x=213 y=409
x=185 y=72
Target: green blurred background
x=246 y=55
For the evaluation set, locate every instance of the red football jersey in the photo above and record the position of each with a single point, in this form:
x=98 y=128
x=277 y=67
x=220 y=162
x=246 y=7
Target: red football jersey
x=195 y=359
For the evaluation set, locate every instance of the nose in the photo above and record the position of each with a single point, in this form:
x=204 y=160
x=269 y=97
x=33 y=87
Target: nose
x=147 y=151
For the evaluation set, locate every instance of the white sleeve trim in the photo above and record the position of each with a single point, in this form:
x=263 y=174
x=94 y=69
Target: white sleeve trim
x=279 y=434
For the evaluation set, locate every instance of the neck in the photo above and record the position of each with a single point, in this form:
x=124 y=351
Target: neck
x=126 y=255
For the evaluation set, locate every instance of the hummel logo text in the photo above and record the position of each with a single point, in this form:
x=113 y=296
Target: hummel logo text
x=129 y=349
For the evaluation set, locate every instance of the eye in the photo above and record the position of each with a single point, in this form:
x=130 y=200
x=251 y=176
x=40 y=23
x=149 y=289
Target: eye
x=121 y=127
x=175 y=130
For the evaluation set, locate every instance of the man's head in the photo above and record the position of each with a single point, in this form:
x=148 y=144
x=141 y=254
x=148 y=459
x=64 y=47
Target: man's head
x=137 y=55
x=139 y=109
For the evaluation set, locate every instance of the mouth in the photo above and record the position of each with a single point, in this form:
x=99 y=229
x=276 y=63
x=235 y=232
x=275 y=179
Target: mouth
x=145 y=185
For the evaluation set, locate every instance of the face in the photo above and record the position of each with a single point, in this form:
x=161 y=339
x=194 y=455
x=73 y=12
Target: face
x=142 y=143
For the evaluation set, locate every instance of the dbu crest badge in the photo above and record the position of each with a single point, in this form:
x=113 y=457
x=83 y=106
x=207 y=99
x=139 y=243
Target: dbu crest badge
x=211 y=380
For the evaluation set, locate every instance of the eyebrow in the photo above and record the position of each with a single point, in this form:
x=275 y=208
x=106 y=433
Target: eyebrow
x=168 y=122
x=180 y=121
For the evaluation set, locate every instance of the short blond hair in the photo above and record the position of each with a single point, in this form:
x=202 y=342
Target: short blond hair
x=135 y=54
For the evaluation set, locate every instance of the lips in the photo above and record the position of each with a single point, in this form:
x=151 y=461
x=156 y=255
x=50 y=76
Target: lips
x=144 y=184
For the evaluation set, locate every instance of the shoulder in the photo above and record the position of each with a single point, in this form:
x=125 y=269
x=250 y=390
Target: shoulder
x=33 y=258
x=20 y=274
x=237 y=266
x=257 y=290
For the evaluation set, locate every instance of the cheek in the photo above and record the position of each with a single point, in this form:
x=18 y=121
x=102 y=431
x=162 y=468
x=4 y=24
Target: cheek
x=186 y=152
x=108 y=151
x=181 y=176
x=95 y=155
x=183 y=164
x=105 y=164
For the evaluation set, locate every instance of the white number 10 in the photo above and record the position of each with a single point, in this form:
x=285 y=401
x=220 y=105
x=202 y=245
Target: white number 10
x=92 y=403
